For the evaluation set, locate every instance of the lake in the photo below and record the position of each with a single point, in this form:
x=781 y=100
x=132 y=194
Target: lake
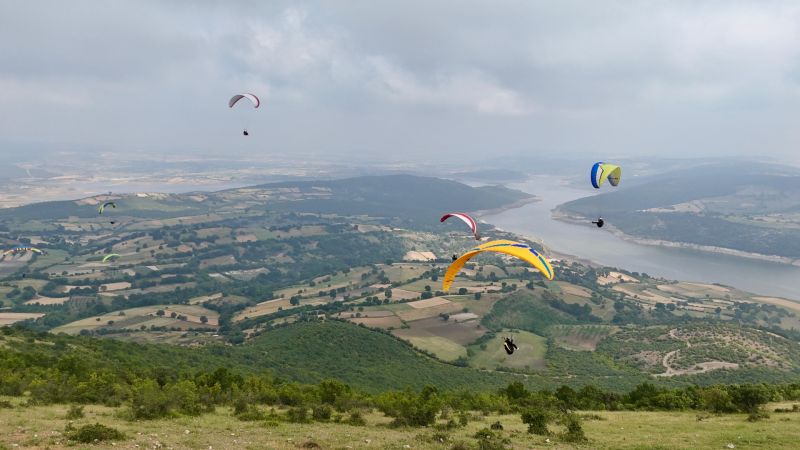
x=534 y=221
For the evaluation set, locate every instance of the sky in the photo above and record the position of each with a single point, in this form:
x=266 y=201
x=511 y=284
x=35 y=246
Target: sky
x=403 y=80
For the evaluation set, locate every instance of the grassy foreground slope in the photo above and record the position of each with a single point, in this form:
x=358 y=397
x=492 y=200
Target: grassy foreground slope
x=43 y=426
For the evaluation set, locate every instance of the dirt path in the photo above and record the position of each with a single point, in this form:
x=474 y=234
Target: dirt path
x=702 y=367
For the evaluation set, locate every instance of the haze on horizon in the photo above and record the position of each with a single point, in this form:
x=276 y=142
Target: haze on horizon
x=404 y=79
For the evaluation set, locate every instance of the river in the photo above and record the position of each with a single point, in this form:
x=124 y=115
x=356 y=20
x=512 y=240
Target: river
x=534 y=221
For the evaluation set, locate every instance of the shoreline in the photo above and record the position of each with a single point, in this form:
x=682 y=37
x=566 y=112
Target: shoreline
x=564 y=217
x=517 y=204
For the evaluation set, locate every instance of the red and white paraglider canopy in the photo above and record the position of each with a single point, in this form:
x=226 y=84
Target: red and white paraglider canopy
x=473 y=225
x=251 y=97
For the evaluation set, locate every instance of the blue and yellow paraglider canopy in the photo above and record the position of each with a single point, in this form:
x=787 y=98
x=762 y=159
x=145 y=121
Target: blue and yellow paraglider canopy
x=515 y=249
x=603 y=171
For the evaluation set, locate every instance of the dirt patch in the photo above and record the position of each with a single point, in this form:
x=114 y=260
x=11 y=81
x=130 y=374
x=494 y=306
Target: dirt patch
x=424 y=313
x=11 y=318
x=419 y=256
x=463 y=317
x=458 y=332
x=574 y=290
x=788 y=304
x=379 y=322
x=47 y=301
x=428 y=303
x=119 y=286
x=616 y=277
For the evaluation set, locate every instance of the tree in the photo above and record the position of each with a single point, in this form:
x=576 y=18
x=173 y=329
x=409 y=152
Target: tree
x=387 y=293
x=462 y=291
x=160 y=313
x=203 y=319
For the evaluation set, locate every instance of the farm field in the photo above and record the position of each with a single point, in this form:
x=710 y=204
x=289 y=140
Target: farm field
x=146 y=316
x=529 y=356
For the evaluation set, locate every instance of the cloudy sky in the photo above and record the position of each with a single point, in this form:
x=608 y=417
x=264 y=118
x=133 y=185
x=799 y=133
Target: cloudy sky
x=404 y=79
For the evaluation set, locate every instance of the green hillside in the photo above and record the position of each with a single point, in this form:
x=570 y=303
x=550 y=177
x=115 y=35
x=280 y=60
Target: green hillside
x=310 y=352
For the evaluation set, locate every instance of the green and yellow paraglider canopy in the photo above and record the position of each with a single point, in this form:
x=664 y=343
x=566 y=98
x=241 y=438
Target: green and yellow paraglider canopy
x=603 y=171
x=103 y=206
x=110 y=256
x=515 y=249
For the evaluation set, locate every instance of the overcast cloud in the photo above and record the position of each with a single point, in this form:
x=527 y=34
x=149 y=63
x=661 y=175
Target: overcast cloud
x=406 y=78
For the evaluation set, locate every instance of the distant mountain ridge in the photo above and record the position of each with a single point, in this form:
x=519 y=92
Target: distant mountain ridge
x=408 y=196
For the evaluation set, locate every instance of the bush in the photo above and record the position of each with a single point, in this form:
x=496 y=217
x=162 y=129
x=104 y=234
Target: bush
x=537 y=420
x=75 y=412
x=463 y=418
x=246 y=412
x=88 y=434
x=489 y=440
x=755 y=416
x=356 y=419
x=322 y=413
x=497 y=426
x=409 y=409
x=574 y=432
x=297 y=415
x=6 y=404
x=148 y=401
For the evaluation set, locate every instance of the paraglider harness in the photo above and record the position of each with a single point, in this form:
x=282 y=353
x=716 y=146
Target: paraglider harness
x=599 y=222
x=245 y=133
x=509 y=346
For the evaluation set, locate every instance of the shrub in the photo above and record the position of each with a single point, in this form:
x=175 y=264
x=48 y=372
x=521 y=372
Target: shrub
x=94 y=433
x=497 y=426
x=148 y=401
x=246 y=412
x=489 y=440
x=322 y=413
x=463 y=418
x=75 y=412
x=574 y=432
x=297 y=415
x=537 y=420
x=183 y=395
x=356 y=419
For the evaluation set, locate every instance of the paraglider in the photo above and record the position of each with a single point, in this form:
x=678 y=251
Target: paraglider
x=251 y=97
x=21 y=249
x=516 y=249
x=471 y=223
x=509 y=346
x=600 y=173
x=104 y=205
x=110 y=256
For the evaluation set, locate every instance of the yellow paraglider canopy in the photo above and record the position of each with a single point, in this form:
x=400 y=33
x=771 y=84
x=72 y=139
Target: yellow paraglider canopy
x=515 y=249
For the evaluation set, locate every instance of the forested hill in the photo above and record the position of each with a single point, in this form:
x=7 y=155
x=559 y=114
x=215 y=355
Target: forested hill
x=408 y=196
x=393 y=195
x=305 y=352
x=742 y=206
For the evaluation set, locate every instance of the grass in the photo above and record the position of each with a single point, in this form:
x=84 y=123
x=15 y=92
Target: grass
x=42 y=427
x=443 y=348
x=530 y=355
